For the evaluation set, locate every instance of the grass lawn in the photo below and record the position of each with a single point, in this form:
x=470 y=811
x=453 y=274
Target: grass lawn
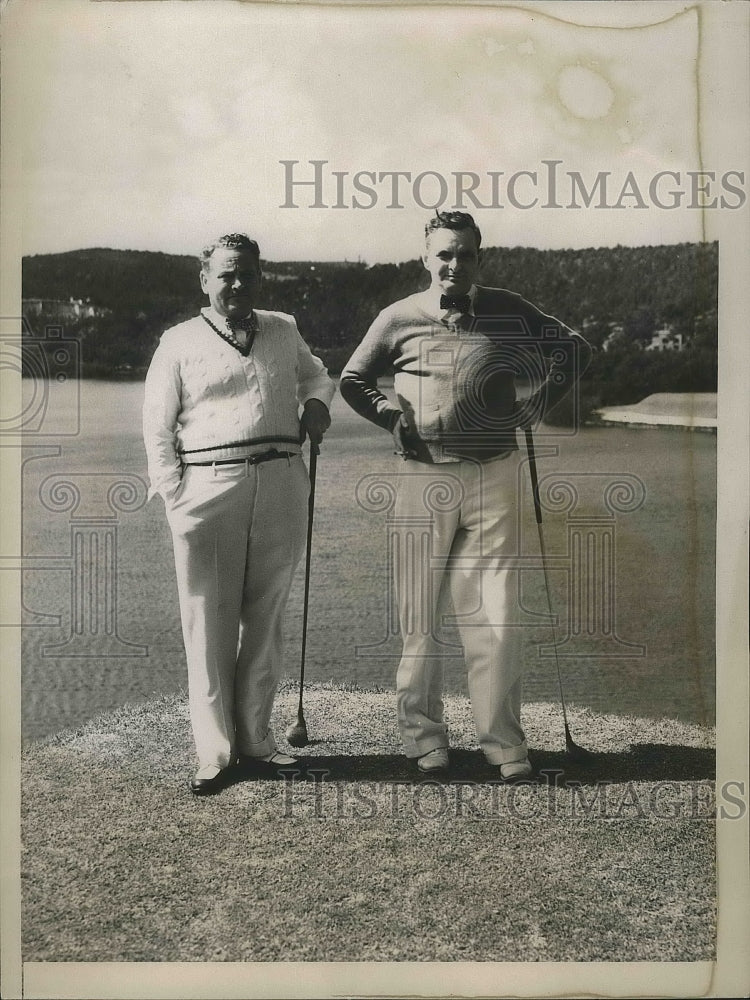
x=664 y=574
x=613 y=862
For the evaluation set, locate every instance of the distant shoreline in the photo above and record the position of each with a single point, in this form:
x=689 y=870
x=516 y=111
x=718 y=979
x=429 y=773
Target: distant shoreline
x=686 y=411
x=647 y=414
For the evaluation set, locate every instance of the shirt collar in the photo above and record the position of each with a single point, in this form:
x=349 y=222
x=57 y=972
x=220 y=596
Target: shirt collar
x=216 y=318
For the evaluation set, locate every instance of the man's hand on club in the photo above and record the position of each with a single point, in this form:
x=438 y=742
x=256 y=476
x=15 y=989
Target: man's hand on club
x=403 y=438
x=314 y=422
x=522 y=415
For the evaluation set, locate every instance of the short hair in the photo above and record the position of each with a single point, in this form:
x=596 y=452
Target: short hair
x=232 y=241
x=455 y=221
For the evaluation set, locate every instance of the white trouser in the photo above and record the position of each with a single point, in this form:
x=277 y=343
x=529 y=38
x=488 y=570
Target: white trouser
x=456 y=530
x=238 y=533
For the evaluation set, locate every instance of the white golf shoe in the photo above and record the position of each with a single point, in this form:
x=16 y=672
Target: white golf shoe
x=517 y=770
x=435 y=760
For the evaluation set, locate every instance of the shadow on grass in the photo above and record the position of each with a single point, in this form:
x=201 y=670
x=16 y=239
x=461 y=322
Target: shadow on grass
x=641 y=762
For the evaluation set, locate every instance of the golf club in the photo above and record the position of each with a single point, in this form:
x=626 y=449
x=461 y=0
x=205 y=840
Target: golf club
x=296 y=733
x=575 y=751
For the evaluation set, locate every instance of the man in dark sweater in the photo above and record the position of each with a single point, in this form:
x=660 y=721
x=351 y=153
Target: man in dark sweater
x=456 y=350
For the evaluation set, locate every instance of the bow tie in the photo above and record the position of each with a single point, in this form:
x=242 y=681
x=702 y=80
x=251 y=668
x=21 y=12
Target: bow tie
x=247 y=324
x=460 y=302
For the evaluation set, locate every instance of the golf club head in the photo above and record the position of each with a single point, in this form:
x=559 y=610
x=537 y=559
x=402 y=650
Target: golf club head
x=576 y=753
x=296 y=734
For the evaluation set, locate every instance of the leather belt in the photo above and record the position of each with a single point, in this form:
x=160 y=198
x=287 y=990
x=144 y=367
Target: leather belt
x=266 y=456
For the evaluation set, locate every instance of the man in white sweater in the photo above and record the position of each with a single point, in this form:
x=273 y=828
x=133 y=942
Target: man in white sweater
x=223 y=436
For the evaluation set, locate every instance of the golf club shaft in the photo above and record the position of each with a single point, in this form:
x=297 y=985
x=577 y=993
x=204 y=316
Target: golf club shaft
x=314 y=450
x=543 y=551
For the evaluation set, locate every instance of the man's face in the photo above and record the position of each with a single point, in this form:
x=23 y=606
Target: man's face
x=452 y=258
x=231 y=281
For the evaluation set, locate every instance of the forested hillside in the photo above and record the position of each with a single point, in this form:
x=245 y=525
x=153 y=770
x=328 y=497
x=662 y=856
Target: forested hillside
x=137 y=294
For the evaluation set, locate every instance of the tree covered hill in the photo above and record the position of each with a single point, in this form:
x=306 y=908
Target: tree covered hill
x=123 y=281
x=673 y=284
x=139 y=294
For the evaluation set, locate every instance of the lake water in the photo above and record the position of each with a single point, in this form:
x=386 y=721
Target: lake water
x=656 y=658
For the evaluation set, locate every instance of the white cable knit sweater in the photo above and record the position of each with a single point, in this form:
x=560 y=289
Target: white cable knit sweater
x=204 y=401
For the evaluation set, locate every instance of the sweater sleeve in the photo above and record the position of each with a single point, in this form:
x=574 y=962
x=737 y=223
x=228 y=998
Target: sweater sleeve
x=565 y=352
x=313 y=380
x=359 y=380
x=161 y=406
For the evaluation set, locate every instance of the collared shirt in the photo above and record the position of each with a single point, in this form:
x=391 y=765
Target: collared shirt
x=207 y=401
x=224 y=325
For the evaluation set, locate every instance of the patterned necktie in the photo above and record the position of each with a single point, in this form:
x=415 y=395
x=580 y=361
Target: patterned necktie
x=462 y=303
